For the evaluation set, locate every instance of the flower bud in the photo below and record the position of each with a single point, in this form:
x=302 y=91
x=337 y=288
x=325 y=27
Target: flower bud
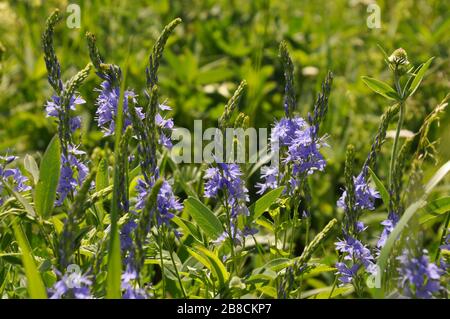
x=399 y=57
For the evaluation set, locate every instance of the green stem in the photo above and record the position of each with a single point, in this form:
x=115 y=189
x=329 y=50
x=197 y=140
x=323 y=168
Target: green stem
x=395 y=146
x=177 y=273
x=444 y=234
x=230 y=234
x=162 y=266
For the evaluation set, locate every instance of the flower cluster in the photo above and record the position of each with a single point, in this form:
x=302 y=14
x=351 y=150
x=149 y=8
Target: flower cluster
x=54 y=109
x=419 y=277
x=107 y=103
x=71 y=285
x=73 y=173
x=167 y=203
x=365 y=195
x=129 y=290
x=357 y=254
x=388 y=227
x=12 y=176
x=165 y=126
x=302 y=146
x=73 y=170
x=224 y=183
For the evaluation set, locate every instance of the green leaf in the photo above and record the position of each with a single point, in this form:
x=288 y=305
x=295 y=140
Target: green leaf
x=278 y=264
x=381 y=188
x=204 y=217
x=35 y=285
x=419 y=76
x=45 y=194
x=101 y=179
x=212 y=262
x=188 y=228
x=21 y=200
x=407 y=215
x=435 y=209
x=31 y=166
x=380 y=87
x=262 y=204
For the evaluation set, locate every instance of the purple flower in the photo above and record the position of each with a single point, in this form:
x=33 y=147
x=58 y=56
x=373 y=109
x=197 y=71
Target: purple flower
x=167 y=203
x=224 y=183
x=71 y=285
x=419 y=277
x=165 y=127
x=12 y=176
x=128 y=286
x=389 y=225
x=301 y=146
x=356 y=255
x=53 y=108
x=73 y=173
x=365 y=195
x=107 y=103
x=285 y=130
x=270 y=174
x=345 y=273
x=226 y=178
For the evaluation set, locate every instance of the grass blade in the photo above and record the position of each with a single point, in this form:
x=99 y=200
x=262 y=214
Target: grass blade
x=35 y=285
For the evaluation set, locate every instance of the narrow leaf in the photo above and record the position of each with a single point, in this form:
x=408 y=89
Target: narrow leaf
x=262 y=204
x=204 y=217
x=35 y=285
x=419 y=76
x=31 y=166
x=45 y=194
x=380 y=87
x=381 y=188
x=435 y=209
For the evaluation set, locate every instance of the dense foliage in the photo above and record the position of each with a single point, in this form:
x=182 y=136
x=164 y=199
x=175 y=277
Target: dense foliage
x=94 y=205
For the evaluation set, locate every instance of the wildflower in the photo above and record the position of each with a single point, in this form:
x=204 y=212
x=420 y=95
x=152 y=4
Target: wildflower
x=53 y=108
x=165 y=126
x=107 y=103
x=73 y=173
x=73 y=170
x=226 y=178
x=131 y=292
x=271 y=175
x=399 y=57
x=389 y=225
x=302 y=152
x=346 y=273
x=418 y=276
x=224 y=183
x=167 y=203
x=357 y=255
x=12 y=176
x=71 y=285
x=365 y=195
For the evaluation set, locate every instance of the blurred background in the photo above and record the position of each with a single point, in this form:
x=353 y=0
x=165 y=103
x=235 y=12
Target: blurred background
x=219 y=44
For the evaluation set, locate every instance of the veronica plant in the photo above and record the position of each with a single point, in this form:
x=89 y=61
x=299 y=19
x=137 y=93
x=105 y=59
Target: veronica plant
x=63 y=103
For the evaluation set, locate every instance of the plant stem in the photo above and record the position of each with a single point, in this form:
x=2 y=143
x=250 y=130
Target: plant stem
x=395 y=146
x=444 y=234
x=162 y=266
x=177 y=273
x=234 y=266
